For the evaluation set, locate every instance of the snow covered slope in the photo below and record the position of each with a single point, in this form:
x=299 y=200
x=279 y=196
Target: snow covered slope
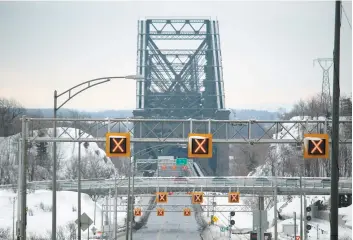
x=284 y=159
x=95 y=163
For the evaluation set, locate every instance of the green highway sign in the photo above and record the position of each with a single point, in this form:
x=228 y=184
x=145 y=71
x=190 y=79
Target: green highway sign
x=181 y=161
x=223 y=229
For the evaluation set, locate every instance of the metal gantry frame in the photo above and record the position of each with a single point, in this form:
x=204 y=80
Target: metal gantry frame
x=237 y=132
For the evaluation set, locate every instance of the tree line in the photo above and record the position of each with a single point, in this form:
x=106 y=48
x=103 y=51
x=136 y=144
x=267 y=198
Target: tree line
x=286 y=159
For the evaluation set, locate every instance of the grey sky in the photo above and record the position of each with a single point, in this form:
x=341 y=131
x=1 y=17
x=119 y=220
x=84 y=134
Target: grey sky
x=267 y=47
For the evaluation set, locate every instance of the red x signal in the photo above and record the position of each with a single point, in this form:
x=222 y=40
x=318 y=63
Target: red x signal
x=117 y=144
x=200 y=145
x=160 y=212
x=316 y=145
x=233 y=197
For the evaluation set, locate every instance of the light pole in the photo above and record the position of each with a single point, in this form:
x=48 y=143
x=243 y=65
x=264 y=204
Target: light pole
x=88 y=84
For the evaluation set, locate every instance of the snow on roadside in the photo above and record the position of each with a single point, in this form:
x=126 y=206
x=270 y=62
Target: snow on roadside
x=39 y=211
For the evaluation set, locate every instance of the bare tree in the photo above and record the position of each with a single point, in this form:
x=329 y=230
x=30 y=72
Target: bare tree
x=10 y=111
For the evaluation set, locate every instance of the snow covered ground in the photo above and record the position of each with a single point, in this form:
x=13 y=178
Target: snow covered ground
x=40 y=212
x=243 y=220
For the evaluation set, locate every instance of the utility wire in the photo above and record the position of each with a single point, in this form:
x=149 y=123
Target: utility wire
x=345 y=14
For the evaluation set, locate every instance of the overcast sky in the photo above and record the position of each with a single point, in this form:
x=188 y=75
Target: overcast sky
x=267 y=47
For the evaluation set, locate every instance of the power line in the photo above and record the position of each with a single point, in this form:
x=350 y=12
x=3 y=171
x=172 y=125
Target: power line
x=345 y=14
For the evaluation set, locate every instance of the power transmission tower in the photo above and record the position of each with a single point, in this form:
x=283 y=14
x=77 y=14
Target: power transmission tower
x=325 y=64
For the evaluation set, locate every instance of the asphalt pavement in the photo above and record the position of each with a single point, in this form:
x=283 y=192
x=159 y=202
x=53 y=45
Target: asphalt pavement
x=173 y=225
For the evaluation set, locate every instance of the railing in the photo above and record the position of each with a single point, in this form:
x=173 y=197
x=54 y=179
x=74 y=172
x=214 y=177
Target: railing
x=231 y=182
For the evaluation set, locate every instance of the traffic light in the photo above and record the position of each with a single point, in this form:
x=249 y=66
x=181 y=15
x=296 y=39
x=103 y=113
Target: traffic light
x=162 y=197
x=308 y=218
x=316 y=145
x=197 y=197
x=253 y=236
x=199 y=145
x=231 y=222
x=117 y=144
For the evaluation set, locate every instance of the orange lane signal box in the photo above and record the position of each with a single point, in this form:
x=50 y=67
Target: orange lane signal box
x=197 y=197
x=137 y=212
x=316 y=145
x=187 y=212
x=233 y=197
x=199 y=145
x=160 y=212
x=162 y=197
x=117 y=144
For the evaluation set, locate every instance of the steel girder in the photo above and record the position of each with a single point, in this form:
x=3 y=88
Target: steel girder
x=164 y=131
x=179 y=82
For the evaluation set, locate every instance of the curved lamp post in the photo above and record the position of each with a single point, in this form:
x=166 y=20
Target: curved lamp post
x=88 y=84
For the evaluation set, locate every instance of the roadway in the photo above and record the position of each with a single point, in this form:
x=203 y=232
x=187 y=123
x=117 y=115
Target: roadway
x=173 y=225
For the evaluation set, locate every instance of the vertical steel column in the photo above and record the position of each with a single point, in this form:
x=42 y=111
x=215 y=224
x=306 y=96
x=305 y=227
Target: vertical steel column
x=261 y=208
x=19 y=190
x=53 y=221
x=305 y=221
x=24 y=180
x=128 y=204
x=115 y=209
x=79 y=188
x=295 y=224
x=13 y=218
x=275 y=213
x=301 y=202
x=133 y=196
x=335 y=126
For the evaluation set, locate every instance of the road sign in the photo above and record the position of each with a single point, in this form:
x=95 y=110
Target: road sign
x=117 y=144
x=214 y=219
x=233 y=197
x=86 y=221
x=316 y=145
x=163 y=167
x=197 y=197
x=93 y=229
x=185 y=168
x=223 y=229
x=181 y=161
x=174 y=167
x=297 y=237
x=160 y=212
x=137 y=212
x=199 y=145
x=162 y=197
x=187 y=212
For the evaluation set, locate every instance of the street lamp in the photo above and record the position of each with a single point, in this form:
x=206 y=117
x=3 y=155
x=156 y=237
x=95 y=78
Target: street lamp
x=89 y=84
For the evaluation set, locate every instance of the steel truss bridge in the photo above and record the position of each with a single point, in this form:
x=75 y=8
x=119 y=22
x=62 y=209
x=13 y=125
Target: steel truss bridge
x=180 y=83
x=245 y=185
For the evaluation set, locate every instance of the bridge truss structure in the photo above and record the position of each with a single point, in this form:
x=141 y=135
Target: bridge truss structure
x=181 y=62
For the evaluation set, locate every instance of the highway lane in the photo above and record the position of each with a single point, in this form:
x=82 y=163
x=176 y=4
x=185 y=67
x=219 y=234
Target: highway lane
x=172 y=226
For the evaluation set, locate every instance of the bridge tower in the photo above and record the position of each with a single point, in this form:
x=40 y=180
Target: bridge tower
x=180 y=60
